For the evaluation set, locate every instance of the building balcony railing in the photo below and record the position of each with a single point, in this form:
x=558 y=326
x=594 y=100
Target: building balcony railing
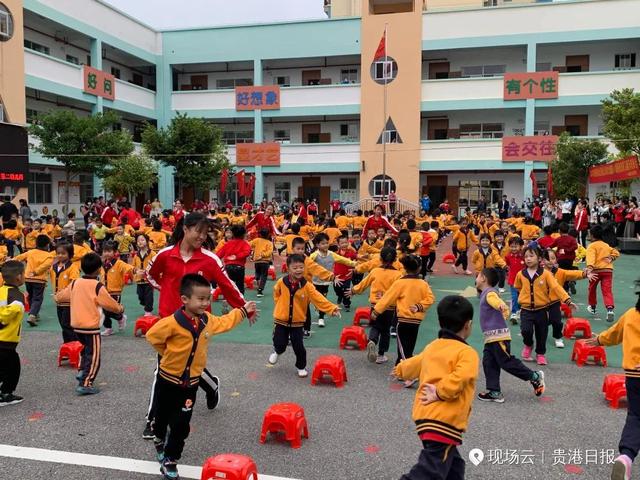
x=59 y=75
x=312 y=153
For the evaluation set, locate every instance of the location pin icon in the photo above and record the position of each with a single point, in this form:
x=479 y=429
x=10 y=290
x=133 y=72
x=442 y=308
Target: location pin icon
x=476 y=456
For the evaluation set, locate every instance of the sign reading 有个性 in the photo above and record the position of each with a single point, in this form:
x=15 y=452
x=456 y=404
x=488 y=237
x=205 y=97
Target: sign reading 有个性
x=624 y=169
x=258 y=98
x=264 y=154
x=540 y=148
x=97 y=82
x=520 y=86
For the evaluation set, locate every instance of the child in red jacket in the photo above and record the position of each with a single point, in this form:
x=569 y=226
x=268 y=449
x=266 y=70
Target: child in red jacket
x=234 y=254
x=515 y=263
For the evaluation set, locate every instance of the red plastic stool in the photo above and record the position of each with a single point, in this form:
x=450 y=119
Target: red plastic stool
x=566 y=310
x=248 y=281
x=288 y=418
x=70 y=351
x=582 y=352
x=143 y=324
x=216 y=294
x=330 y=365
x=575 y=324
x=362 y=313
x=283 y=269
x=272 y=273
x=449 y=258
x=614 y=388
x=229 y=466
x=353 y=334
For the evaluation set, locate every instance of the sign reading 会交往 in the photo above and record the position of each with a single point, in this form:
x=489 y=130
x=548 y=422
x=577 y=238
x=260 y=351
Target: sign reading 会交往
x=99 y=83
x=625 y=169
x=520 y=86
x=541 y=148
x=258 y=98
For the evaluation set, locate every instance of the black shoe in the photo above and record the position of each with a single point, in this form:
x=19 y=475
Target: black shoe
x=148 y=432
x=213 y=394
x=347 y=309
x=9 y=399
x=490 y=396
x=169 y=469
x=306 y=333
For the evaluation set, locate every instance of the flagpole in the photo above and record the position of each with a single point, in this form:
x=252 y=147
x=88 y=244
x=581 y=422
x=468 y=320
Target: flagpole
x=384 y=128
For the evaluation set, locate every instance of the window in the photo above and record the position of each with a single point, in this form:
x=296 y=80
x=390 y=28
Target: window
x=231 y=138
x=6 y=23
x=282 y=191
x=72 y=59
x=282 y=81
x=282 y=136
x=36 y=47
x=543 y=67
x=377 y=184
x=86 y=187
x=32 y=115
x=349 y=75
x=625 y=61
x=481 y=130
x=115 y=72
x=541 y=128
x=349 y=132
x=390 y=136
x=229 y=83
x=348 y=183
x=1 y=113
x=483 y=71
x=472 y=190
x=39 y=187
x=384 y=70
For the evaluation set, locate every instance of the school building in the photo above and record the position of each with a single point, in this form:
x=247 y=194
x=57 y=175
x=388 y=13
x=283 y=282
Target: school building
x=343 y=107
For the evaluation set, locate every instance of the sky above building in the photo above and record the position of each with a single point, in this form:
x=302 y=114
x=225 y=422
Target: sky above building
x=167 y=14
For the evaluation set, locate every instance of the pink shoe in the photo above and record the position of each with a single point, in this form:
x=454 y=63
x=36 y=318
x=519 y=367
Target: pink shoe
x=455 y=269
x=468 y=272
x=526 y=354
x=621 y=468
x=541 y=360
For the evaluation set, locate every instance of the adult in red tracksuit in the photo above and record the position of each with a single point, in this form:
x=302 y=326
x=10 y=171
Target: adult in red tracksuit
x=376 y=221
x=302 y=210
x=264 y=220
x=581 y=222
x=234 y=254
x=165 y=271
x=108 y=214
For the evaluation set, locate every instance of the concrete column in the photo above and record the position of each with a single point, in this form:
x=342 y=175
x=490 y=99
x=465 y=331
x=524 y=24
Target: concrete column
x=530 y=118
x=166 y=175
x=96 y=62
x=258 y=134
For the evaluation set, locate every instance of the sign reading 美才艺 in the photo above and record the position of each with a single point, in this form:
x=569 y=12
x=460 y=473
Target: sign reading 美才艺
x=520 y=86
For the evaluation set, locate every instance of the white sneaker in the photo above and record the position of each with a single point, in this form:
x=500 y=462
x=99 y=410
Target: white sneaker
x=501 y=290
x=591 y=309
x=273 y=358
x=321 y=322
x=122 y=323
x=610 y=315
x=381 y=359
x=372 y=351
x=559 y=343
x=303 y=373
x=107 y=332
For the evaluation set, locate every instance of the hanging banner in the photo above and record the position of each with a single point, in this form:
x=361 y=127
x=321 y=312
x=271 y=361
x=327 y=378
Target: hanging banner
x=541 y=148
x=264 y=154
x=258 y=98
x=520 y=86
x=625 y=169
x=99 y=83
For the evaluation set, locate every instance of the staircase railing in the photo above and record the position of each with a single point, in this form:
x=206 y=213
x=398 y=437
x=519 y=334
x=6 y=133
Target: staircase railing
x=401 y=205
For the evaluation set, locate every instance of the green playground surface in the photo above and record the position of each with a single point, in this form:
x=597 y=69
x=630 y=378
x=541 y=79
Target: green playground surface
x=627 y=270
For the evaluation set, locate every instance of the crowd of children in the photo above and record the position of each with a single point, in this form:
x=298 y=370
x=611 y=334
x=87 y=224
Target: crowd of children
x=392 y=257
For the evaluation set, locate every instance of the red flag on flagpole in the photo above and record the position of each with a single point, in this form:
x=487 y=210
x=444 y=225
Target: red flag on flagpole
x=550 y=183
x=224 y=179
x=250 y=186
x=382 y=47
x=534 y=184
x=240 y=180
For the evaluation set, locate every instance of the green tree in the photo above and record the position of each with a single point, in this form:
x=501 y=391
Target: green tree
x=571 y=167
x=621 y=115
x=192 y=146
x=80 y=144
x=130 y=175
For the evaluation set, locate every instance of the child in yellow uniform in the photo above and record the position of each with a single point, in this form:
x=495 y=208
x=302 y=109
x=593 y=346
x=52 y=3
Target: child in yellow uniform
x=38 y=264
x=63 y=272
x=12 y=236
x=124 y=240
x=486 y=256
x=262 y=256
x=11 y=314
x=157 y=237
x=140 y=261
x=113 y=275
x=600 y=258
x=462 y=240
x=447 y=370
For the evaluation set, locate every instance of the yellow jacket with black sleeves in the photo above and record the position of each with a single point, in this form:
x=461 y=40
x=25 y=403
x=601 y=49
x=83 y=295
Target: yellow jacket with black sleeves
x=11 y=314
x=113 y=275
x=536 y=291
x=626 y=331
x=598 y=254
x=291 y=300
x=141 y=261
x=380 y=280
x=183 y=347
x=38 y=264
x=406 y=292
x=62 y=275
x=451 y=365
